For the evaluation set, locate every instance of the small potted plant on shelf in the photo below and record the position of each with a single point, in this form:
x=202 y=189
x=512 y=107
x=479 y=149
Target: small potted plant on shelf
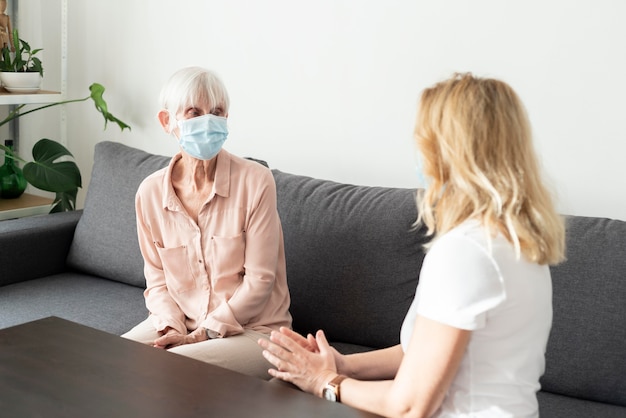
x=50 y=169
x=22 y=71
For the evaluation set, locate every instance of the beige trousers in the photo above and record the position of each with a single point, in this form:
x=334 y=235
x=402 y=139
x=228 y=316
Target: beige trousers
x=240 y=353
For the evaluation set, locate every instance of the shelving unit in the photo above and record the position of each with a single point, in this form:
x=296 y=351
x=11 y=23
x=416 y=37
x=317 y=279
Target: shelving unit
x=29 y=204
x=25 y=205
x=41 y=97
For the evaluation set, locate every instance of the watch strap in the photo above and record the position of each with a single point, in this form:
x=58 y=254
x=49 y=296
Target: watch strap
x=210 y=334
x=335 y=385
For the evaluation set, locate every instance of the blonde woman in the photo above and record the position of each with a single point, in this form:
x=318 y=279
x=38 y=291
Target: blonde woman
x=474 y=339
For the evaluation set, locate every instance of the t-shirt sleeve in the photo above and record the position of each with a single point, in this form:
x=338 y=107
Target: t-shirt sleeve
x=459 y=283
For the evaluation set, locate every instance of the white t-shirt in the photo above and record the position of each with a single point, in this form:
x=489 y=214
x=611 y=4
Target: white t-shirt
x=471 y=282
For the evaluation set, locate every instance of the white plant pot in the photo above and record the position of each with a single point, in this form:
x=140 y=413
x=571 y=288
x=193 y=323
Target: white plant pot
x=21 y=82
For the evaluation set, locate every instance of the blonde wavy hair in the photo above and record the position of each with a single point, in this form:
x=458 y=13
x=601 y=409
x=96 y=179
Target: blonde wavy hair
x=476 y=143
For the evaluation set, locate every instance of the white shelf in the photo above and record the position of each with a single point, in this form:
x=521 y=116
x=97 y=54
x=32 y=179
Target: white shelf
x=25 y=205
x=41 y=97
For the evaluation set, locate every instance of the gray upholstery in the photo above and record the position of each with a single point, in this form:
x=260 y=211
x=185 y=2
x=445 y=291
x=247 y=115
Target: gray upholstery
x=89 y=300
x=586 y=356
x=105 y=243
x=352 y=253
x=559 y=406
x=352 y=265
x=35 y=247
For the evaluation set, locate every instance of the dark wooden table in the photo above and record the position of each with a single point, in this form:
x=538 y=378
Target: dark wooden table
x=57 y=368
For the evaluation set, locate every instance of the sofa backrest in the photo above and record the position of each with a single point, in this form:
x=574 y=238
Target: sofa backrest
x=586 y=355
x=105 y=241
x=353 y=260
x=353 y=257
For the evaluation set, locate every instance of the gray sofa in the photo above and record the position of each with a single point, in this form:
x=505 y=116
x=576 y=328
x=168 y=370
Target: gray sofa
x=352 y=264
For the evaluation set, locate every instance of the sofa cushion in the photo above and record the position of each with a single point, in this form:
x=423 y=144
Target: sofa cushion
x=49 y=237
x=353 y=258
x=559 y=406
x=102 y=304
x=586 y=354
x=105 y=241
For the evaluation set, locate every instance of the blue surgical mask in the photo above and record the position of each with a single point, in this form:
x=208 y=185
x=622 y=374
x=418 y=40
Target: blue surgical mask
x=202 y=137
x=423 y=181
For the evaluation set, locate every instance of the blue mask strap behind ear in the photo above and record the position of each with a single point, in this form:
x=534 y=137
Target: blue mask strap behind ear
x=423 y=181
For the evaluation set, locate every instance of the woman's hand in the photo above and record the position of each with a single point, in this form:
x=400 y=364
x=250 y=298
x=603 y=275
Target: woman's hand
x=172 y=338
x=310 y=343
x=308 y=363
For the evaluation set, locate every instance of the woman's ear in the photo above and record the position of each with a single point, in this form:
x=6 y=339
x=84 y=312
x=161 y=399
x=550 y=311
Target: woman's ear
x=164 y=120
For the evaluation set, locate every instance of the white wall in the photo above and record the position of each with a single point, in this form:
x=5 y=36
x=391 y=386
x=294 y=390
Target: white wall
x=329 y=88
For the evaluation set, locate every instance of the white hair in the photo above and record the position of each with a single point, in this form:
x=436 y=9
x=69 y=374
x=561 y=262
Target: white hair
x=191 y=85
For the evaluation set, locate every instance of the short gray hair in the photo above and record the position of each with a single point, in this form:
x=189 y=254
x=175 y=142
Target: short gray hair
x=188 y=86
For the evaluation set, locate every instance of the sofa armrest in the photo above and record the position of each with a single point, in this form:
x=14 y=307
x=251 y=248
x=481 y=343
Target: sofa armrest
x=36 y=246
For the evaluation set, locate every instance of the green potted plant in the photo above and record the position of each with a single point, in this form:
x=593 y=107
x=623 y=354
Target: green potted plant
x=50 y=169
x=22 y=71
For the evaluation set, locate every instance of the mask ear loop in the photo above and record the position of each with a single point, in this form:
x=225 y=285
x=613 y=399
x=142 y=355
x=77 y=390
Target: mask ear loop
x=172 y=124
x=423 y=181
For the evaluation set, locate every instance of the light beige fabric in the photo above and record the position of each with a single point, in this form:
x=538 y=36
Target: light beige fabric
x=240 y=353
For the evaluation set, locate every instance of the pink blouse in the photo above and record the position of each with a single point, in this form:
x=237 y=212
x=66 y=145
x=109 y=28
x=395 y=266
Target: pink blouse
x=227 y=273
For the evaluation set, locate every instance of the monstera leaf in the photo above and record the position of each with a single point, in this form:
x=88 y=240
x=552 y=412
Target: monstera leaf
x=97 y=90
x=64 y=201
x=48 y=171
x=53 y=169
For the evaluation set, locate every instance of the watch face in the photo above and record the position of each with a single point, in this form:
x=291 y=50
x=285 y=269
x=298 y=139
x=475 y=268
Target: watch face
x=329 y=394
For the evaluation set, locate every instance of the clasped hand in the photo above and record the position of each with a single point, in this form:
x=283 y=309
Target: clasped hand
x=172 y=338
x=308 y=363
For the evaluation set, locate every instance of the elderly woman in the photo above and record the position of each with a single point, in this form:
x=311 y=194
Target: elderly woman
x=473 y=341
x=210 y=236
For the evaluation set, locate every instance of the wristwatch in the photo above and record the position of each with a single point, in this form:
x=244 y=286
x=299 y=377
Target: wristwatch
x=331 y=391
x=210 y=334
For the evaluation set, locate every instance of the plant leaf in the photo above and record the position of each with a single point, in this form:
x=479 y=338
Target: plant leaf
x=16 y=40
x=48 y=150
x=64 y=201
x=6 y=59
x=10 y=154
x=97 y=90
x=46 y=173
x=37 y=66
x=26 y=45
